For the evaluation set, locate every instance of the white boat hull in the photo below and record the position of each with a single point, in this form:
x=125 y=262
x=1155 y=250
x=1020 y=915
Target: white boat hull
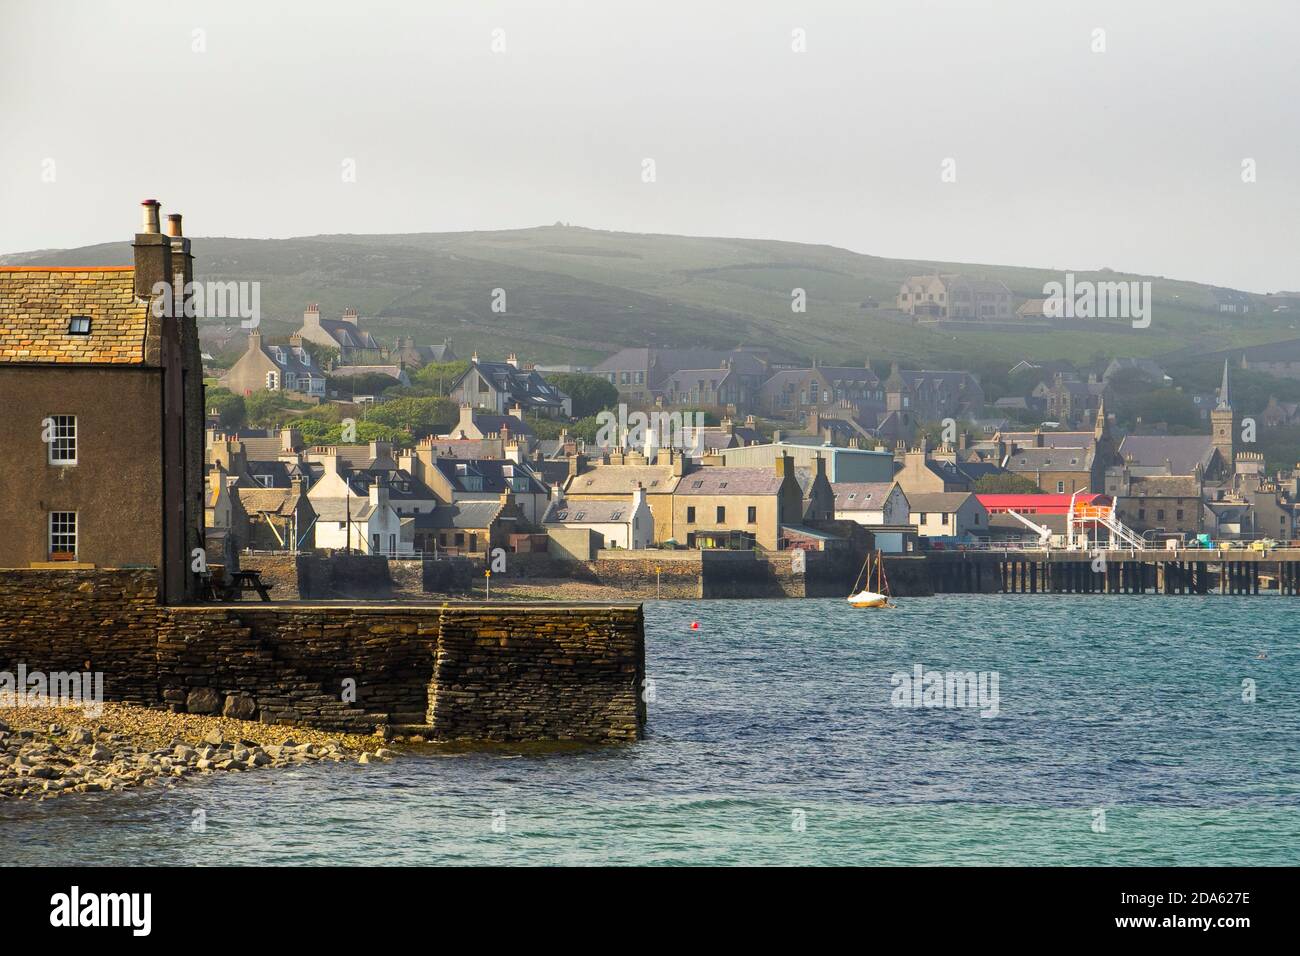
x=868 y=599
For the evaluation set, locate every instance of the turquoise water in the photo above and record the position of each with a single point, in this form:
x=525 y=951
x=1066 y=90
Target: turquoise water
x=773 y=740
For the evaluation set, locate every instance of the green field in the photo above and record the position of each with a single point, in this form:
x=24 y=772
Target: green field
x=574 y=295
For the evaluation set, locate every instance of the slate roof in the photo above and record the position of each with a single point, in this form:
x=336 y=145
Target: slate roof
x=947 y=501
x=525 y=386
x=1184 y=452
x=596 y=511
x=1050 y=459
x=621 y=479
x=494 y=473
x=37 y=305
x=348 y=335
x=462 y=514
x=336 y=509
x=728 y=480
x=861 y=495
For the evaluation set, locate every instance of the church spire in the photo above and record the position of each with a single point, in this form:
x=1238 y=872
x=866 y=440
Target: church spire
x=1225 y=401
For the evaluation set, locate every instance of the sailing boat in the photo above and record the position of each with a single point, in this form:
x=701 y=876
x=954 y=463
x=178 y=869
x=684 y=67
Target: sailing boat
x=867 y=597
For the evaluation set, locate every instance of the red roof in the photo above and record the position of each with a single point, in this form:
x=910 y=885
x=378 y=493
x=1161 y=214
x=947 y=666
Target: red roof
x=1039 y=504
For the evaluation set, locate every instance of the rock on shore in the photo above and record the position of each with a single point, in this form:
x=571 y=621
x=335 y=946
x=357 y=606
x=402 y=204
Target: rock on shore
x=52 y=751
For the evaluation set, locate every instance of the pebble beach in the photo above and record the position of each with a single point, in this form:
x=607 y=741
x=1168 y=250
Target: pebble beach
x=51 y=751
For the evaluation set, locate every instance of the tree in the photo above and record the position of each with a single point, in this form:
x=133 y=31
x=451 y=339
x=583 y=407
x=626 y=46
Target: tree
x=229 y=407
x=590 y=393
x=439 y=376
x=416 y=416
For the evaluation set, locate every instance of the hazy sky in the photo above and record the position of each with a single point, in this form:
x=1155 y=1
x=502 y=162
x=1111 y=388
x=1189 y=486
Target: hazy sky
x=1064 y=157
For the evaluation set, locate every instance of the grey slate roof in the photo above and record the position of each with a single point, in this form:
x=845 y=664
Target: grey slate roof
x=861 y=495
x=598 y=511
x=1184 y=452
x=462 y=514
x=730 y=481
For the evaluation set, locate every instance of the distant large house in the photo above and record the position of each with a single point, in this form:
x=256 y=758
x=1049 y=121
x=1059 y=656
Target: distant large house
x=355 y=345
x=275 y=368
x=955 y=297
x=500 y=386
x=705 y=377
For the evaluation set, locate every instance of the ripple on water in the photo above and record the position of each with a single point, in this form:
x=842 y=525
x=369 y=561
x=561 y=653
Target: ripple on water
x=773 y=740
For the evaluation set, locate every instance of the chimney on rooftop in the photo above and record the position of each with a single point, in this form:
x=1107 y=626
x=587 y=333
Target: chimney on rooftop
x=350 y=316
x=152 y=251
x=512 y=359
x=173 y=224
x=149 y=222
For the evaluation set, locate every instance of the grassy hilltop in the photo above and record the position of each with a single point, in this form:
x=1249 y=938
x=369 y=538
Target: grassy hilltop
x=575 y=294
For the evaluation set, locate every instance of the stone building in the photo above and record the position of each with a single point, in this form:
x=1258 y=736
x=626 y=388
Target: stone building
x=955 y=297
x=355 y=345
x=500 y=386
x=275 y=368
x=102 y=382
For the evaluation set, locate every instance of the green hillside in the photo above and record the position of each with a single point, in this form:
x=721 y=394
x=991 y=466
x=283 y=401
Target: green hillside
x=574 y=295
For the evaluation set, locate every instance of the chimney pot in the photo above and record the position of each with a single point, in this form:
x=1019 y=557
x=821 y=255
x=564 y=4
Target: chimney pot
x=149 y=222
x=174 y=225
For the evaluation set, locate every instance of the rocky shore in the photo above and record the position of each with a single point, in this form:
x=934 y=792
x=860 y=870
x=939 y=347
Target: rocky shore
x=53 y=751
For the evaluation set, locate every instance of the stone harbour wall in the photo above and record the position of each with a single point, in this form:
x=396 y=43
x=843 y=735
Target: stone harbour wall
x=462 y=670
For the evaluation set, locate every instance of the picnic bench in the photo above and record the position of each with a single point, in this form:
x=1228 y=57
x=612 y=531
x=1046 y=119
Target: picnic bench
x=217 y=587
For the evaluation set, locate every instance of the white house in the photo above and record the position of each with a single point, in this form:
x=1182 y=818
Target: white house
x=625 y=523
x=367 y=525
x=871 y=503
x=946 y=514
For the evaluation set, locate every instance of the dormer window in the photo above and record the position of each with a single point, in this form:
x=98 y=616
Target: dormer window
x=79 y=325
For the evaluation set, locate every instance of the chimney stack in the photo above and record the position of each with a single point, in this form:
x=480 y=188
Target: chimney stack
x=153 y=254
x=350 y=316
x=512 y=359
x=149 y=223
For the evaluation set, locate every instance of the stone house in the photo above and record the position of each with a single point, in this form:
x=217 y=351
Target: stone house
x=954 y=297
x=355 y=345
x=500 y=386
x=640 y=374
x=407 y=353
x=619 y=524
x=871 y=503
x=1156 y=502
x=948 y=514
x=275 y=368
x=368 y=525
x=619 y=479
x=455 y=481
x=102 y=383
x=737 y=505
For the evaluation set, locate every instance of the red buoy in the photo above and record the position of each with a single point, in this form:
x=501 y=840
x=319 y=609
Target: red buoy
x=695 y=625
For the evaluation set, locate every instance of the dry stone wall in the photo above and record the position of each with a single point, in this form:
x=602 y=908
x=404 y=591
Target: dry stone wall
x=467 y=670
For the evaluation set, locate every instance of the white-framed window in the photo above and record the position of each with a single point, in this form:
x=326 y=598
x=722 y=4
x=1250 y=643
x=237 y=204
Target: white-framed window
x=272 y=380
x=63 y=535
x=1060 y=487
x=63 y=440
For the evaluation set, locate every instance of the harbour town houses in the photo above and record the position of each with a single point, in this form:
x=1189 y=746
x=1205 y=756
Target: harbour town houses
x=102 y=383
